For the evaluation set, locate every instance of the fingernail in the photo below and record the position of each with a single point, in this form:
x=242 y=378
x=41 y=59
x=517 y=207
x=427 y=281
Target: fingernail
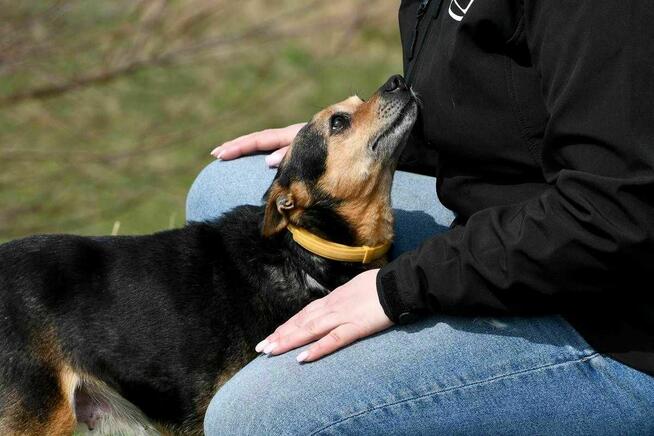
x=220 y=155
x=261 y=345
x=270 y=348
x=302 y=356
x=269 y=160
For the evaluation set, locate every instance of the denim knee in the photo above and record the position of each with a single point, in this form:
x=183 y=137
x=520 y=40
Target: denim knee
x=246 y=407
x=223 y=185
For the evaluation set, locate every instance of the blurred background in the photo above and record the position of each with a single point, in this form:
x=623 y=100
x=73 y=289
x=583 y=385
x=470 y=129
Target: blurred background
x=108 y=109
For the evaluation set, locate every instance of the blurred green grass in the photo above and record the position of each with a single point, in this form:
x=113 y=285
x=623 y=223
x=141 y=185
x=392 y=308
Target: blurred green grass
x=127 y=149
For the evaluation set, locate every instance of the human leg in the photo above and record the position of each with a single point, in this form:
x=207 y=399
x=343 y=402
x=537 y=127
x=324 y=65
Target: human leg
x=223 y=185
x=443 y=375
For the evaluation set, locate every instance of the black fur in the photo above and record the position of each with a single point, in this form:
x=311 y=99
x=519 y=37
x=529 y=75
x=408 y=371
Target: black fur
x=155 y=317
x=306 y=163
x=160 y=318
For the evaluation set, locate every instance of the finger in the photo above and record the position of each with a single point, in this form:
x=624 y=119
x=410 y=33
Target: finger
x=311 y=330
x=341 y=336
x=274 y=158
x=293 y=323
x=265 y=140
x=312 y=310
x=218 y=152
x=248 y=144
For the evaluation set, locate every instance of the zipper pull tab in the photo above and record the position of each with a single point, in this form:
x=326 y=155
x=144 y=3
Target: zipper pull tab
x=414 y=37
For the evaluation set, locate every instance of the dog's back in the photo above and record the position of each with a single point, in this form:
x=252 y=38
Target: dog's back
x=162 y=321
x=143 y=317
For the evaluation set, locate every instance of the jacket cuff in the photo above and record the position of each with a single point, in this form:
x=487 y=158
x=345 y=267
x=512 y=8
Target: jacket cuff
x=400 y=294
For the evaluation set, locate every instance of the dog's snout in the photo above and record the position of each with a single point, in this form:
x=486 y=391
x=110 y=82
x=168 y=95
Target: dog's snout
x=395 y=83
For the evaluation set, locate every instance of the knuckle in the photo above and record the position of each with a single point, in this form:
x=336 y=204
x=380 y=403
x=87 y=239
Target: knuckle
x=311 y=327
x=334 y=300
x=336 y=337
x=359 y=330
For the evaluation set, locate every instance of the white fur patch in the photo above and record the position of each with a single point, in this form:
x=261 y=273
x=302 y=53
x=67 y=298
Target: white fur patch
x=313 y=284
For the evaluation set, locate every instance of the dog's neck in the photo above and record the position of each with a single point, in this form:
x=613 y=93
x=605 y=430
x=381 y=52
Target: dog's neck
x=323 y=221
x=281 y=276
x=335 y=251
x=326 y=272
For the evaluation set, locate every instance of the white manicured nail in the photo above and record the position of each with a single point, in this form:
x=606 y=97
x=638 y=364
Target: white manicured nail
x=220 y=155
x=302 y=356
x=260 y=346
x=270 y=348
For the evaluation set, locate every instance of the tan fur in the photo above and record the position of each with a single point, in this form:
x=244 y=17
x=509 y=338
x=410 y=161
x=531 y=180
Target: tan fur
x=45 y=347
x=69 y=380
x=59 y=421
x=11 y=421
x=371 y=215
x=276 y=218
x=302 y=199
x=60 y=418
x=353 y=176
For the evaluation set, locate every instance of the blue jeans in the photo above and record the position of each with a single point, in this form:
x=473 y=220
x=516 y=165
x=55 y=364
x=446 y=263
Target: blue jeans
x=443 y=375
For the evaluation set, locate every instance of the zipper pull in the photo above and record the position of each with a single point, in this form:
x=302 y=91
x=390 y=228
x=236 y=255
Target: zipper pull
x=419 y=14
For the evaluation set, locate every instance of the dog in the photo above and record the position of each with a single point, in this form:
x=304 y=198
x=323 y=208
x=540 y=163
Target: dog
x=143 y=330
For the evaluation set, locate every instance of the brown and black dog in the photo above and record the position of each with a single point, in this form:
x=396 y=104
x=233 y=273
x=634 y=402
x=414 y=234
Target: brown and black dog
x=143 y=330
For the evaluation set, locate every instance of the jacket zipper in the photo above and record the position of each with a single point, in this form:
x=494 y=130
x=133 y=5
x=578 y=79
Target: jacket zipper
x=420 y=13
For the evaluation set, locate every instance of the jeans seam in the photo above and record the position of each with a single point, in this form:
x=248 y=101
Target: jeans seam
x=442 y=391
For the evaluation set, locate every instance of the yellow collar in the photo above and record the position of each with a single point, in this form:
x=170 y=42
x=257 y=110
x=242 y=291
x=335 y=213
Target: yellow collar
x=334 y=251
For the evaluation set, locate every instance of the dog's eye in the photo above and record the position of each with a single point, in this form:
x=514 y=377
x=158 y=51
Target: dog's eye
x=338 y=123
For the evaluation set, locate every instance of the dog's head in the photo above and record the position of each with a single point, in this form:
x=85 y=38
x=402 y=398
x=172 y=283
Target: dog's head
x=335 y=179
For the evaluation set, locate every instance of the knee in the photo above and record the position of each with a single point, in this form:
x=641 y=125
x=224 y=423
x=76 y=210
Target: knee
x=198 y=206
x=239 y=409
x=245 y=409
x=223 y=185
x=261 y=399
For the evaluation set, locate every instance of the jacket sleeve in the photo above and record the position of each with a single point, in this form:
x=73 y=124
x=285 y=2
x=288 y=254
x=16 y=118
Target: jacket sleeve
x=592 y=230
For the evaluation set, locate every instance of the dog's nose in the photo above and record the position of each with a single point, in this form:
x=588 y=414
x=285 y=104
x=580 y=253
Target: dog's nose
x=395 y=83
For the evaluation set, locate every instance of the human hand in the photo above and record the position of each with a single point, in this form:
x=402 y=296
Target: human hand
x=348 y=313
x=264 y=140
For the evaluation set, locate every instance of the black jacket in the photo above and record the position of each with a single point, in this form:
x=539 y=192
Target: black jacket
x=538 y=123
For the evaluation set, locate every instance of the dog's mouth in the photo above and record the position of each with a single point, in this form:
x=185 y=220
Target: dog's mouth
x=395 y=132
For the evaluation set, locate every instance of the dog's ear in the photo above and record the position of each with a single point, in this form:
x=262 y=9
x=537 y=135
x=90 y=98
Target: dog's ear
x=279 y=201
